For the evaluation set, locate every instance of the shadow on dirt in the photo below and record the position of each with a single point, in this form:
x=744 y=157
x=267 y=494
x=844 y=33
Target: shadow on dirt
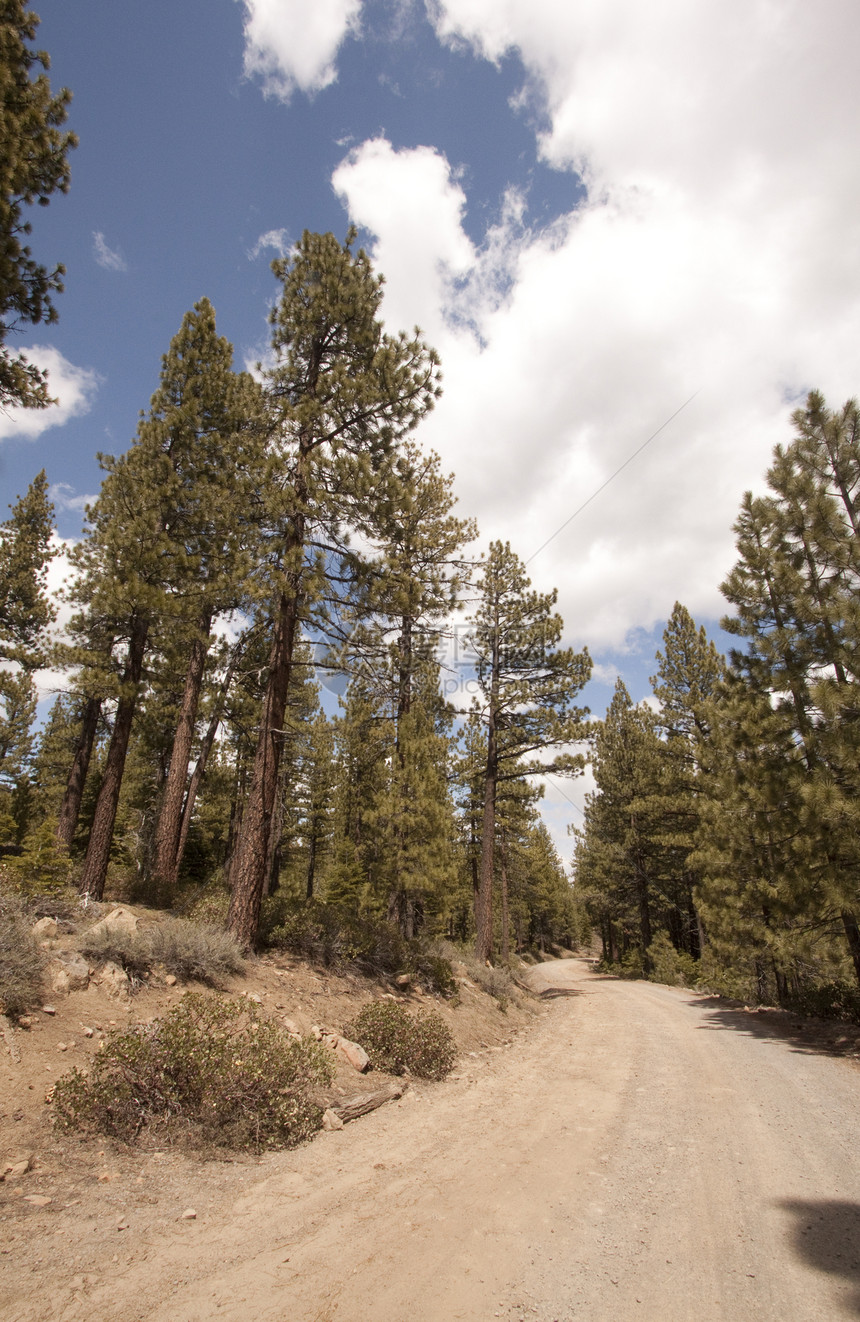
x=811 y=1036
x=826 y=1236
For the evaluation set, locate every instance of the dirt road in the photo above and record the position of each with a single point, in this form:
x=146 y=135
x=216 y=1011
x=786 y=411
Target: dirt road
x=641 y=1153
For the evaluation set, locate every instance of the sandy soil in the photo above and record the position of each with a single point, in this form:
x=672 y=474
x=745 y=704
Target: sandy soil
x=639 y=1152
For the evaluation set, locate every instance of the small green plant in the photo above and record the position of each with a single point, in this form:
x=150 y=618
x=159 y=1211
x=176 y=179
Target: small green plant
x=21 y=960
x=188 y=950
x=397 y=1041
x=42 y=867
x=212 y=1071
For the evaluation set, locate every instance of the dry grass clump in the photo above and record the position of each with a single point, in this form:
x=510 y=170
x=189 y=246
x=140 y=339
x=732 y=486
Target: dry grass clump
x=212 y=1072
x=190 y=951
x=22 y=963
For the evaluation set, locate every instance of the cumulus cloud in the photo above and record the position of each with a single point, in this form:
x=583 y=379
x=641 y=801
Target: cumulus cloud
x=292 y=45
x=72 y=387
x=711 y=273
x=110 y=259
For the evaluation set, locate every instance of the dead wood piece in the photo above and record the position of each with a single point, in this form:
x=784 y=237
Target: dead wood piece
x=353 y=1107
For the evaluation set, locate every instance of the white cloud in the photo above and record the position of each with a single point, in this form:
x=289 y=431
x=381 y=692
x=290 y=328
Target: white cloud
x=72 y=387
x=273 y=240
x=109 y=258
x=717 y=256
x=292 y=45
x=386 y=191
x=63 y=497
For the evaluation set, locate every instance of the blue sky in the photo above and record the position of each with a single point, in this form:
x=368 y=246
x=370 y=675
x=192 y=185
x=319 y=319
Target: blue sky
x=601 y=213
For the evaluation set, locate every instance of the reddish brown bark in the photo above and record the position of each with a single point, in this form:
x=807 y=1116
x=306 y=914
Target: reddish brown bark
x=168 y=827
x=70 y=808
x=248 y=872
x=98 y=850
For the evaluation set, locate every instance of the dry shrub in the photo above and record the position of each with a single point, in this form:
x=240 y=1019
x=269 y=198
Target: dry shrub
x=397 y=1041
x=22 y=963
x=211 y=1072
x=190 y=951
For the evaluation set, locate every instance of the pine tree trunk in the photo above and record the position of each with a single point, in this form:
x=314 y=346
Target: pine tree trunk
x=248 y=872
x=312 y=862
x=484 y=896
x=70 y=808
x=169 y=825
x=506 y=938
x=101 y=834
x=852 y=933
x=199 y=771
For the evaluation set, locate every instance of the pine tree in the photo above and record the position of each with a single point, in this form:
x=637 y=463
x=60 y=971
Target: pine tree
x=33 y=165
x=343 y=394
x=25 y=554
x=156 y=533
x=688 y=673
x=527 y=692
x=620 y=857
x=25 y=614
x=794 y=591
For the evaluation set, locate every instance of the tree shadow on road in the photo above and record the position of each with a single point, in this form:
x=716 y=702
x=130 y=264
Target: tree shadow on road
x=810 y=1036
x=549 y=993
x=826 y=1236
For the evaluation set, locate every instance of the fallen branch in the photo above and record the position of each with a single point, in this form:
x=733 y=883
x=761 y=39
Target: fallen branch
x=353 y=1107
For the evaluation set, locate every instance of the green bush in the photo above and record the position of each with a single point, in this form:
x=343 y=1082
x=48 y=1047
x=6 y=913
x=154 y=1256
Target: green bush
x=324 y=934
x=22 y=963
x=188 y=950
x=675 y=967
x=212 y=1071
x=829 y=1000
x=397 y=1041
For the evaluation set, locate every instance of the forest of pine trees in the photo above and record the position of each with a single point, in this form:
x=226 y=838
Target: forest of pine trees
x=259 y=536
x=721 y=844
x=261 y=532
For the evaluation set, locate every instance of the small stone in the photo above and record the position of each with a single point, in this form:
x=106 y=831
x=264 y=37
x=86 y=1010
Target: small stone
x=49 y=1009
x=331 y=1120
x=403 y=980
x=355 y=1054
x=122 y=1225
x=292 y=1028
x=170 y=980
x=15 y=1170
x=189 y=1214
x=118 y=920
x=252 y=996
x=24 y=1021
x=114 y=980
x=62 y=1046
x=37 y=1199
x=45 y=929
x=69 y=972
x=88 y=1032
